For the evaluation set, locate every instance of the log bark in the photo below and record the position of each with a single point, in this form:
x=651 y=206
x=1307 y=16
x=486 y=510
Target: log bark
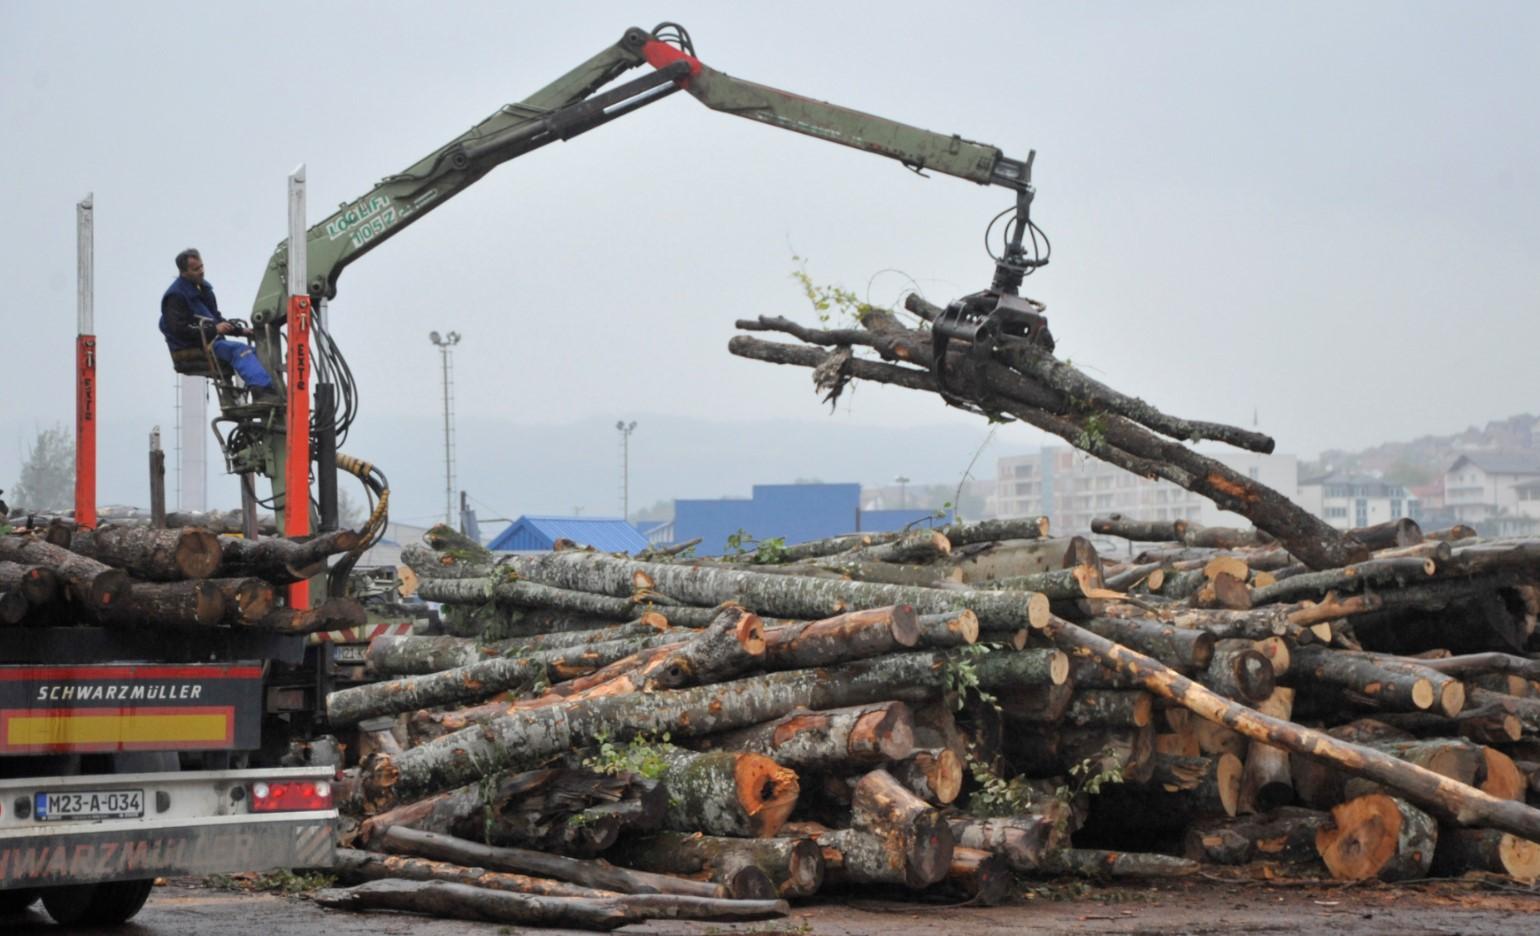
x=151 y=554
x=1100 y=863
x=534 y=809
x=1114 y=708
x=1391 y=534
x=839 y=739
x=477 y=591
x=354 y=866
x=1179 y=792
x=1285 y=835
x=734 y=642
x=331 y=614
x=949 y=629
x=247 y=600
x=988 y=531
x=92 y=585
x=979 y=876
x=934 y=775
x=37 y=584
x=983 y=563
x=1458 y=802
x=195 y=603
x=464 y=902
x=596 y=874
x=1186 y=650
x=727 y=793
x=794 y=866
x=883 y=807
x=1267 y=783
x=1462 y=850
x=1142 y=531
x=1377 y=836
x=1238 y=671
x=850 y=636
x=13 y=607
x=1059 y=585
x=1021 y=840
x=1382 y=573
x=1397 y=686
x=283 y=561
x=451 y=687
x=852 y=856
x=773 y=595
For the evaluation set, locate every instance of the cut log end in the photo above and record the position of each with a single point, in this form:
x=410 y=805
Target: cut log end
x=1058 y=668
x=1520 y=858
x=751 y=634
x=1451 y=699
x=1423 y=695
x=906 y=624
x=767 y=792
x=1227 y=776
x=1368 y=838
x=1039 y=613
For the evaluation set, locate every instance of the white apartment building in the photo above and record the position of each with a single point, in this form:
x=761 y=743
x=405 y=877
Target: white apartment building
x=1481 y=486
x=1350 y=501
x=1072 y=487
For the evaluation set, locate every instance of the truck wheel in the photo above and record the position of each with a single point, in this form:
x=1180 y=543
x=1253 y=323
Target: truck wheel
x=15 y=902
x=96 y=904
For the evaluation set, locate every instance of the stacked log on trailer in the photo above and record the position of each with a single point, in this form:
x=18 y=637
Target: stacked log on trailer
x=134 y=576
x=898 y=711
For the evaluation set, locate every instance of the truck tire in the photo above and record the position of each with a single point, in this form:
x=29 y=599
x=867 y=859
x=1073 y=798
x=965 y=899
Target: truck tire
x=96 y=904
x=16 y=902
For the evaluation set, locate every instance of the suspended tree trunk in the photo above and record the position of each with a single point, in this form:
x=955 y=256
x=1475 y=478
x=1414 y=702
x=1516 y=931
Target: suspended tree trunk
x=1110 y=437
x=247 y=600
x=331 y=614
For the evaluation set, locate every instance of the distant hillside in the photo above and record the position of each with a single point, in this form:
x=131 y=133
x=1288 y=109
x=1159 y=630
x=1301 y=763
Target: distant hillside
x=1421 y=460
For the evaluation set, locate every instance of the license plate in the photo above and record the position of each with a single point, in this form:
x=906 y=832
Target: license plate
x=350 y=653
x=89 y=804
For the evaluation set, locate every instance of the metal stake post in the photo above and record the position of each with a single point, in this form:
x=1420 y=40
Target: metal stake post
x=85 y=364
x=296 y=521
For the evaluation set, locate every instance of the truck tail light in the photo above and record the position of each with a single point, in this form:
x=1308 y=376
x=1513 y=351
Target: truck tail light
x=290 y=795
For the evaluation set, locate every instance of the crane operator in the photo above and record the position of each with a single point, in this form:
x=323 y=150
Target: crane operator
x=187 y=307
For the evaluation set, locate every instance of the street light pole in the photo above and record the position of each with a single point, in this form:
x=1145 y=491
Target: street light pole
x=625 y=428
x=444 y=344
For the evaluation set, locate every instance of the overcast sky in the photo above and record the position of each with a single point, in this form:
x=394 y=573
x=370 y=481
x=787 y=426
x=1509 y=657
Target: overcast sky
x=1322 y=213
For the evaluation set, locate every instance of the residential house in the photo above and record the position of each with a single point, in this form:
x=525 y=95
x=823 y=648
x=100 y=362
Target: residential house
x=1348 y=501
x=1482 y=486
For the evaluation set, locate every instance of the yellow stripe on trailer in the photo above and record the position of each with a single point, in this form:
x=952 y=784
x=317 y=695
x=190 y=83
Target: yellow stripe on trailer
x=83 y=730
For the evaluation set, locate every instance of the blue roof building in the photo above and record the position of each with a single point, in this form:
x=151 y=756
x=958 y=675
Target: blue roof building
x=795 y=512
x=534 y=534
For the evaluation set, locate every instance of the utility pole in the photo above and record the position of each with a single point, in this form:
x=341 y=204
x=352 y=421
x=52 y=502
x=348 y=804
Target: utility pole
x=445 y=343
x=626 y=428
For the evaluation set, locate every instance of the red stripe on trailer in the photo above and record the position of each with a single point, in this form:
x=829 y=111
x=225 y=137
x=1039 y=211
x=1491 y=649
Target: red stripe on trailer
x=296 y=520
x=85 y=431
x=129 y=671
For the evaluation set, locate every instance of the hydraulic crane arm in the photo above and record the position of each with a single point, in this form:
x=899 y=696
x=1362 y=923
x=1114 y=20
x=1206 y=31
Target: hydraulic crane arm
x=915 y=148
x=560 y=110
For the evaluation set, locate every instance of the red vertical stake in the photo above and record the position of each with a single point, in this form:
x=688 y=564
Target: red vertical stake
x=85 y=364
x=296 y=517
x=85 y=431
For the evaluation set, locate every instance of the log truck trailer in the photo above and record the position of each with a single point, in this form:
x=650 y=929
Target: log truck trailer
x=116 y=747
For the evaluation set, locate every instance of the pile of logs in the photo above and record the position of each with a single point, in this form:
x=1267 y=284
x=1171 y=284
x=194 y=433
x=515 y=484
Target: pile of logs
x=136 y=576
x=937 y=712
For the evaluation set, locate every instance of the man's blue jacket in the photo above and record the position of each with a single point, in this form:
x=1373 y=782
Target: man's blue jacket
x=183 y=302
